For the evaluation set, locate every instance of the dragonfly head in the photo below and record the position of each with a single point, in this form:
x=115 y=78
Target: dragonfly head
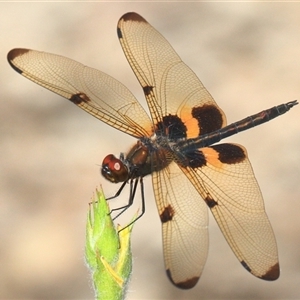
x=114 y=170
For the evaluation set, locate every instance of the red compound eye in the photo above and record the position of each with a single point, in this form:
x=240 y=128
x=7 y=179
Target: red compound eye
x=113 y=169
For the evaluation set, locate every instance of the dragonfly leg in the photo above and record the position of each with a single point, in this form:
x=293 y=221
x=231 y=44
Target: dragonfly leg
x=118 y=192
x=143 y=205
x=133 y=186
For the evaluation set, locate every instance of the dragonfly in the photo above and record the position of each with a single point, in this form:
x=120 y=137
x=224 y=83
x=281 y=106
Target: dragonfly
x=178 y=144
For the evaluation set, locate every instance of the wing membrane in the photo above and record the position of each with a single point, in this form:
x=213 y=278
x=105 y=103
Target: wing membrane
x=96 y=92
x=233 y=195
x=184 y=224
x=170 y=86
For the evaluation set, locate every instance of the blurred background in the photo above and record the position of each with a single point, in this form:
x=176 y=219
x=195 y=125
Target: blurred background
x=248 y=57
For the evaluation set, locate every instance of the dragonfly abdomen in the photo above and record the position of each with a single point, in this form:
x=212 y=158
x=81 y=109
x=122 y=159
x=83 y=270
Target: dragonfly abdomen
x=234 y=128
x=257 y=119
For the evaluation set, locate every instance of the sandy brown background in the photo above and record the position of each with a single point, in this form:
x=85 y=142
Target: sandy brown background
x=248 y=57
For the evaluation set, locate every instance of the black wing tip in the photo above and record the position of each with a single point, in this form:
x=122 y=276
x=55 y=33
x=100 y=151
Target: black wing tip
x=12 y=54
x=185 y=285
x=132 y=16
x=272 y=274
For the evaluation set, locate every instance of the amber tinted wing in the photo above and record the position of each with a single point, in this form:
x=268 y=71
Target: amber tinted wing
x=223 y=176
x=95 y=92
x=170 y=86
x=184 y=222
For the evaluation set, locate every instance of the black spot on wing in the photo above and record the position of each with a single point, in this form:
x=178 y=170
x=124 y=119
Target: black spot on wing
x=195 y=159
x=172 y=127
x=187 y=284
x=147 y=89
x=167 y=215
x=229 y=153
x=119 y=33
x=14 y=53
x=272 y=274
x=245 y=266
x=209 y=118
x=210 y=202
x=79 y=98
